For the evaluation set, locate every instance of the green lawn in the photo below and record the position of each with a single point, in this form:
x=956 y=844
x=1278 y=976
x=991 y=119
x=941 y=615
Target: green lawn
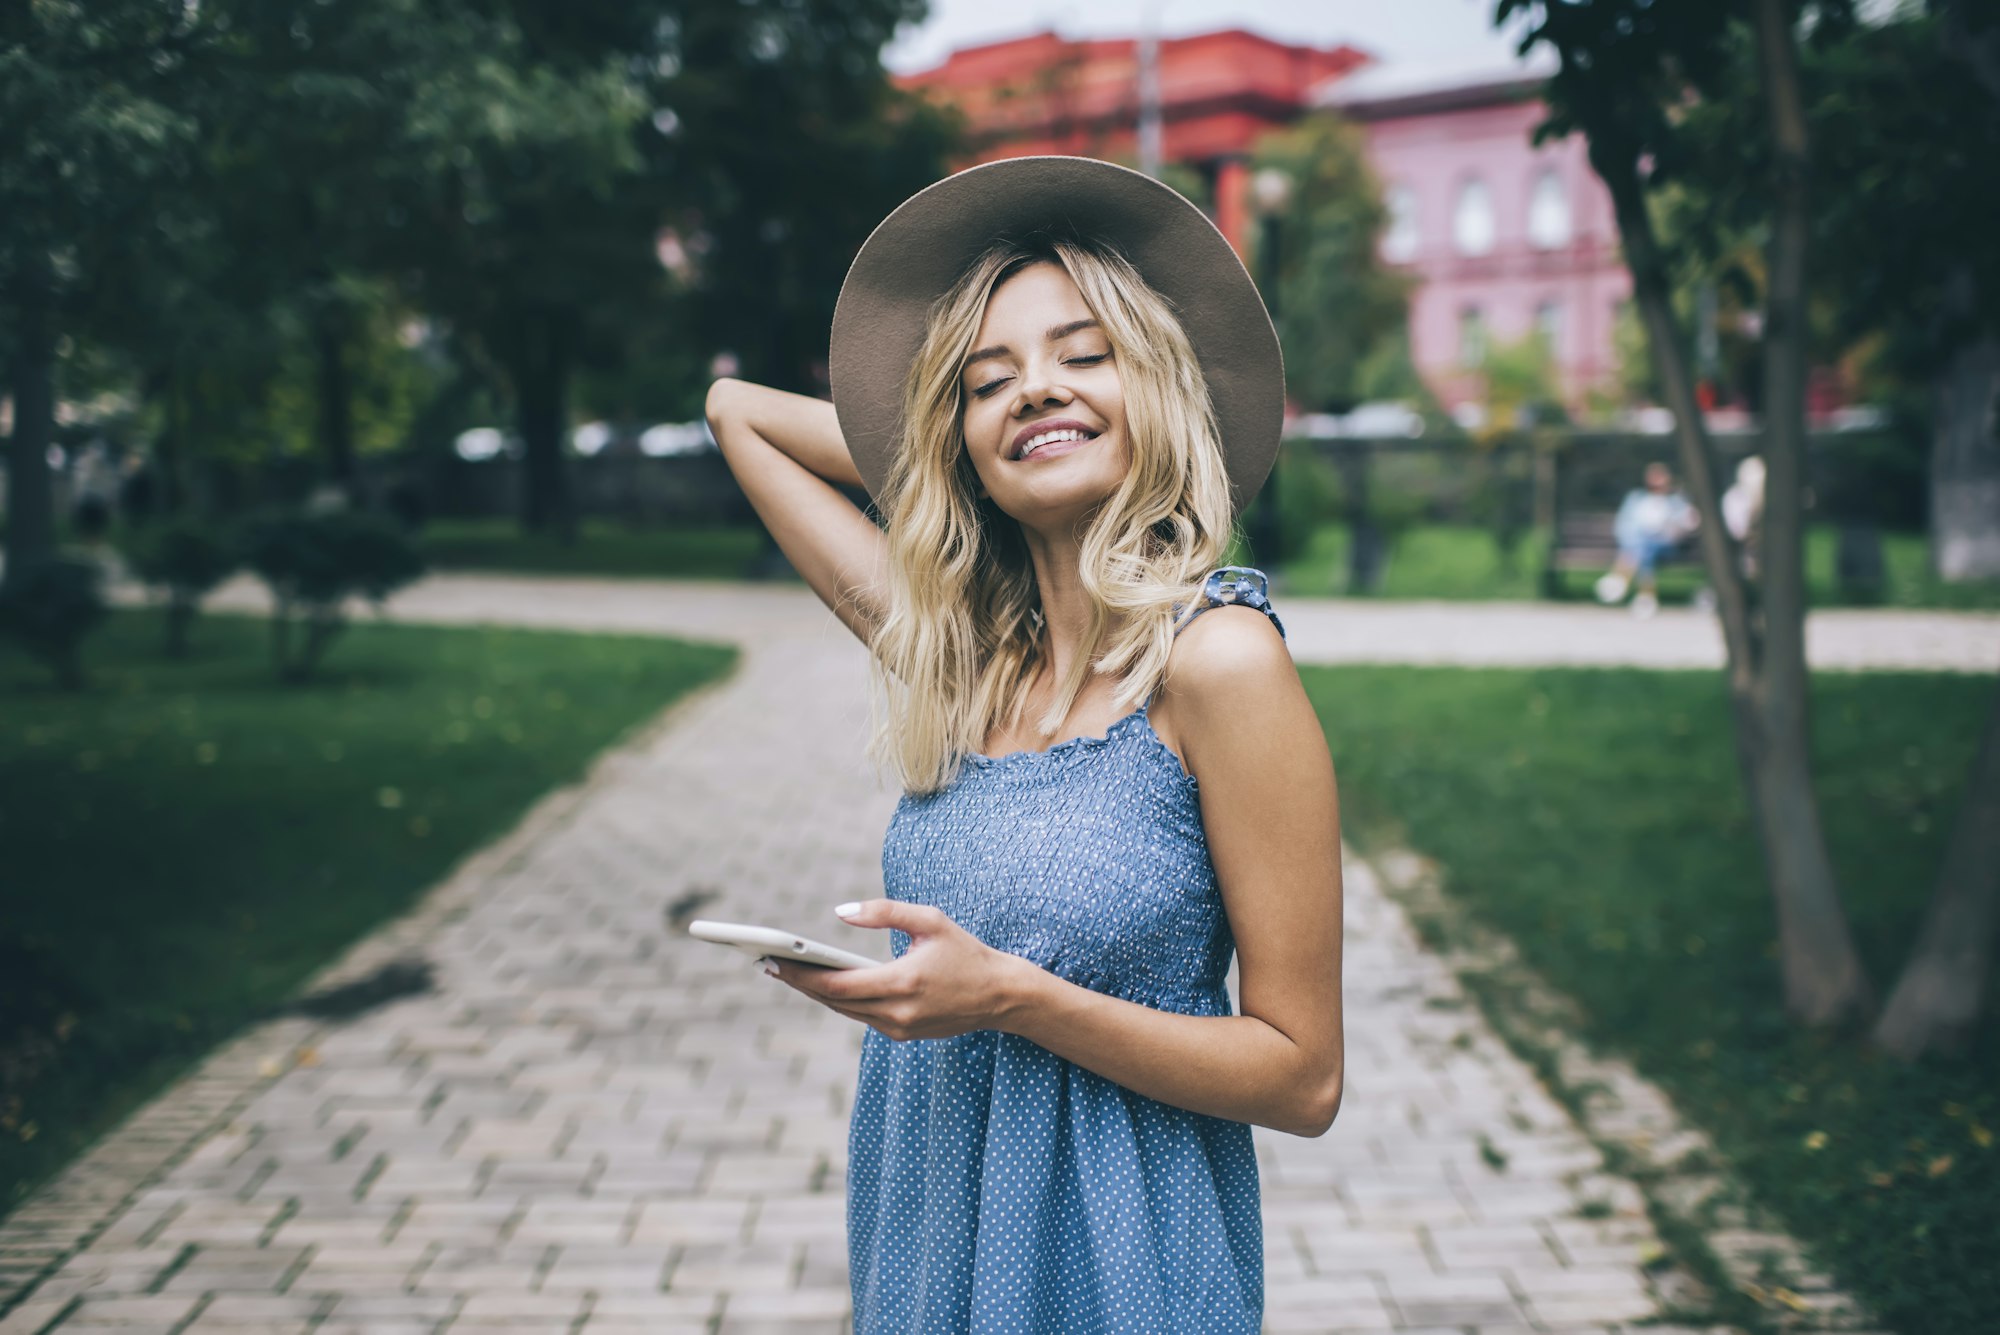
x=602 y=548
x=185 y=843
x=1445 y=561
x=1596 y=817
x=1462 y=563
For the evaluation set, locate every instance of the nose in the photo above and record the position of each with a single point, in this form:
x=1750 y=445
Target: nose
x=1038 y=389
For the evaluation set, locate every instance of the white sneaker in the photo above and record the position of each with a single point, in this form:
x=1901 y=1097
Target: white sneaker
x=1611 y=587
x=1644 y=604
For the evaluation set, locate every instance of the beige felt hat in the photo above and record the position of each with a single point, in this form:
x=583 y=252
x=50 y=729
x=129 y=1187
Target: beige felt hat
x=922 y=248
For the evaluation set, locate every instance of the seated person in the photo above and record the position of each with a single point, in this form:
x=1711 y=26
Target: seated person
x=1651 y=522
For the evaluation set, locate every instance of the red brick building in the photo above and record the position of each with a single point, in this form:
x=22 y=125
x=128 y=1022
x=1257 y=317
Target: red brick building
x=1504 y=239
x=1218 y=92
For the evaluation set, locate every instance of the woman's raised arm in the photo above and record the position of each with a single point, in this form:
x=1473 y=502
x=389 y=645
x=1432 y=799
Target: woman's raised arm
x=787 y=453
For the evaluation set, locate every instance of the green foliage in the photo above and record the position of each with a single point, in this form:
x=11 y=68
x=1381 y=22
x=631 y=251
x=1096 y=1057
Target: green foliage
x=183 y=559
x=1595 y=818
x=1337 y=303
x=602 y=548
x=48 y=606
x=186 y=846
x=252 y=200
x=1521 y=389
x=1903 y=195
x=313 y=562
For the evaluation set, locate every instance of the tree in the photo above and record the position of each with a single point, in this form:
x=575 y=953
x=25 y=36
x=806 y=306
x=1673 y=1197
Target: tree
x=1902 y=122
x=89 y=93
x=1337 y=302
x=1628 y=67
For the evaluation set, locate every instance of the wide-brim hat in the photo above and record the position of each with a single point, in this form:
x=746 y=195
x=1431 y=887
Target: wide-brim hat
x=926 y=245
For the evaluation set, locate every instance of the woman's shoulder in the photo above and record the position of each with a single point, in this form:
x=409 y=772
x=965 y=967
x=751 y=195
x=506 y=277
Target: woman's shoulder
x=1229 y=668
x=1235 y=636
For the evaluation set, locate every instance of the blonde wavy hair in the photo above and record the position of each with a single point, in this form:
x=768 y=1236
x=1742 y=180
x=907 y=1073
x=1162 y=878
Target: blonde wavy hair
x=961 y=635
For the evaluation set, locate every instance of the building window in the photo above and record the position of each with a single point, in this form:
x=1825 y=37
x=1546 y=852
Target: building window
x=1472 y=220
x=1471 y=337
x=1548 y=212
x=1399 y=242
x=1548 y=327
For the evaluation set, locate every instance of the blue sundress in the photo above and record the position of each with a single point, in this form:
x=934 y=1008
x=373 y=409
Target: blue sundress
x=996 y=1187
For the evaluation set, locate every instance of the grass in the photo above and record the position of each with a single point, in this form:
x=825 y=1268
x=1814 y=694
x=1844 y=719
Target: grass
x=1444 y=561
x=602 y=548
x=1596 y=817
x=1461 y=562
x=185 y=843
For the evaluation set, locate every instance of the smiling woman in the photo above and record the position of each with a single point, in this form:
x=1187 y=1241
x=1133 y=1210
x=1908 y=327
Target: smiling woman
x=1037 y=365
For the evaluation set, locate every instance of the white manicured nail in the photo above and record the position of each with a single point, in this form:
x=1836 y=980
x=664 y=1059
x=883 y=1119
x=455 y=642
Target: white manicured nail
x=771 y=969
x=847 y=910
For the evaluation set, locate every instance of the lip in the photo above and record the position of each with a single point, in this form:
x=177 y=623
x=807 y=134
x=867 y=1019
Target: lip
x=1033 y=429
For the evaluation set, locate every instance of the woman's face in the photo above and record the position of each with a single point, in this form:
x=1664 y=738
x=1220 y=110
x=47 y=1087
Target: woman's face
x=1044 y=410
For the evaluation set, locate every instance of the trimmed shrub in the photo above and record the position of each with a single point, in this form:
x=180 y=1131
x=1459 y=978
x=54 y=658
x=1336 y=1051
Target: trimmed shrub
x=47 y=608
x=313 y=562
x=183 y=560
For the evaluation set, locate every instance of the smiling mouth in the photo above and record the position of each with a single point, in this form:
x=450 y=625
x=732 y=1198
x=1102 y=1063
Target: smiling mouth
x=1062 y=435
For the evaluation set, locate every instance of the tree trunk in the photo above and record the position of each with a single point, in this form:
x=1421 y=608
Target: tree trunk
x=180 y=615
x=1965 y=461
x=334 y=426
x=541 y=384
x=31 y=532
x=1824 y=979
x=1936 y=1003
x=1822 y=973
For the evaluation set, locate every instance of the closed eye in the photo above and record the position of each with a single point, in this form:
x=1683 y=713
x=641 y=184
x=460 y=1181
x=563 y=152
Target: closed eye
x=981 y=391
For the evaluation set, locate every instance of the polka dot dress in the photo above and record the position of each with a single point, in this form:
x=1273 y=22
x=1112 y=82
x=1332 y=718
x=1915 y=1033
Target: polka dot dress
x=996 y=1187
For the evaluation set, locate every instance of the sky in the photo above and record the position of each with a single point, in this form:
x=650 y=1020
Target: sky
x=1394 y=30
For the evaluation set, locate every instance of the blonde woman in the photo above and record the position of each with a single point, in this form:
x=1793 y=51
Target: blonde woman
x=1060 y=387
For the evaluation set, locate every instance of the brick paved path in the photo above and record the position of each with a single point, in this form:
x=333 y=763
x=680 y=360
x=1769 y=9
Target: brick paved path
x=595 y=1124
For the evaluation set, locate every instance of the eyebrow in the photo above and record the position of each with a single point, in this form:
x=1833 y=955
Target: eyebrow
x=1055 y=332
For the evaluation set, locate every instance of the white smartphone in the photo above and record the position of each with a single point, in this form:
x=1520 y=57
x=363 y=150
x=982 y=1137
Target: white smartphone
x=758 y=942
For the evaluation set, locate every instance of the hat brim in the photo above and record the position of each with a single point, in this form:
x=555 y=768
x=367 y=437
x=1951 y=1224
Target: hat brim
x=922 y=248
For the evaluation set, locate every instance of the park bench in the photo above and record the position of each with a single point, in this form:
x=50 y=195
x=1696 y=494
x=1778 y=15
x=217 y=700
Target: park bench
x=1583 y=540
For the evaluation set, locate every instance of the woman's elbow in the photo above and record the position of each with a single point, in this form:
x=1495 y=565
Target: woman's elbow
x=1316 y=1117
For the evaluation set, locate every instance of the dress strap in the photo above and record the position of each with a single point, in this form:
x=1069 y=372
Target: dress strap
x=1236 y=584
x=1229 y=584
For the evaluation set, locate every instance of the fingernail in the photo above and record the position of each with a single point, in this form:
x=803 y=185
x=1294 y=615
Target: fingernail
x=847 y=910
x=771 y=969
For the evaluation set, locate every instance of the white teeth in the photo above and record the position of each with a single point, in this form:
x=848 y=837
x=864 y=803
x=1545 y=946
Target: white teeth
x=1049 y=437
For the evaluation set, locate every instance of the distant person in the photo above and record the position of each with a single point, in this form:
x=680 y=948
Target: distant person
x=1651 y=522
x=1743 y=510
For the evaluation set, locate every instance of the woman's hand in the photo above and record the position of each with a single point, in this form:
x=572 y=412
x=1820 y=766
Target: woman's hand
x=947 y=983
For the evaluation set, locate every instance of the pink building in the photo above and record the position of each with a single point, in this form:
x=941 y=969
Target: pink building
x=1505 y=239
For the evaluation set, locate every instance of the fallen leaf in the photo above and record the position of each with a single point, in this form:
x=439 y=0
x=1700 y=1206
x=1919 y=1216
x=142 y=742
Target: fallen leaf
x=1939 y=1166
x=1816 y=1140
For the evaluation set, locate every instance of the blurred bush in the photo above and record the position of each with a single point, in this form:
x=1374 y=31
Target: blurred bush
x=47 y=608
x=183 y=560
x=313 y=562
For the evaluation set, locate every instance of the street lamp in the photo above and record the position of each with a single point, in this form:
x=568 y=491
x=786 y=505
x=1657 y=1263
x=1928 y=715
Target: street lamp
x=1270 y=192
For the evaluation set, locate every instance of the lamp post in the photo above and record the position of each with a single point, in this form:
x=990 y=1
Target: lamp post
x=1270 y=192
x=1151 y=133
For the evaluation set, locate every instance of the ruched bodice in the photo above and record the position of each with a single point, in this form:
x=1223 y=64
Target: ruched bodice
x=994 y=1186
